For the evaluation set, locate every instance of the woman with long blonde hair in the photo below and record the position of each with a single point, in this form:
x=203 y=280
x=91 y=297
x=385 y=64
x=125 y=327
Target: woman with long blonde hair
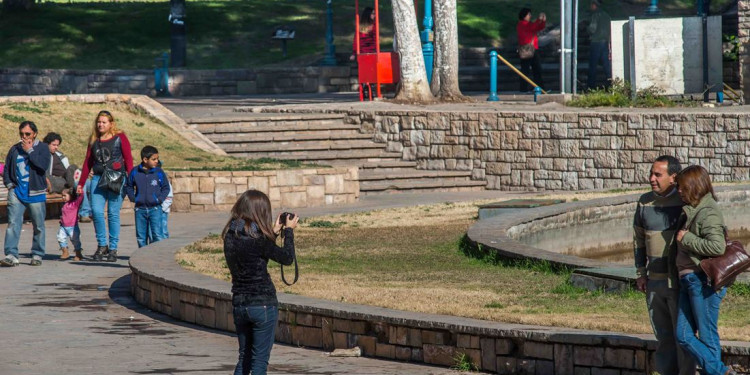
x=109 y=157
x=249 y=242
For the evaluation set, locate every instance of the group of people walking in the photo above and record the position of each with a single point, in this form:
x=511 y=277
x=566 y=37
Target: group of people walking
x=677 y=225
x=33 y=169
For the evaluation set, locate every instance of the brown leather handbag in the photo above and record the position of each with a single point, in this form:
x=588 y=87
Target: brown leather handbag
x=722 y=270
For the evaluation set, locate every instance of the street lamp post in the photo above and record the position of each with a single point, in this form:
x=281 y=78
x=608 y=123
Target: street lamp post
x=330 y=57
x=426 y=35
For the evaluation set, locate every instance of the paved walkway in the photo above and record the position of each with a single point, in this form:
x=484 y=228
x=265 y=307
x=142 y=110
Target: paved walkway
x=79 y=318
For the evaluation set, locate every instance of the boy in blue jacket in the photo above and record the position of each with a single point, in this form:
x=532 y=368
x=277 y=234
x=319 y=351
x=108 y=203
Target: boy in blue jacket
x=147 y=186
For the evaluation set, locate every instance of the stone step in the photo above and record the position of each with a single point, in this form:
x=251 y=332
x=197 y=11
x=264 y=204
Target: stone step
x=245 y=114
x=318 y=135
x=266 y=127
x=373 y=175
x=433 y=184
x=343 y=145
x=327 y=157
x=389 y=165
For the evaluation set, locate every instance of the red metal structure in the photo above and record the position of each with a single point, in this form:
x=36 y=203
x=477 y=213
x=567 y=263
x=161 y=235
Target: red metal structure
x=375 y=68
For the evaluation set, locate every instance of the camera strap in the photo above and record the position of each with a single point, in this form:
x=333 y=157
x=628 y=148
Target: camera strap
x=296 y=272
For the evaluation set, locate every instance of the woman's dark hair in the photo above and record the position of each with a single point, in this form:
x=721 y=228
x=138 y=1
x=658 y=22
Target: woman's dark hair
x=51 y=137
x=694 y=183
x=253 y=206
x=366 y=14
x=29 y=124
x=522 y=14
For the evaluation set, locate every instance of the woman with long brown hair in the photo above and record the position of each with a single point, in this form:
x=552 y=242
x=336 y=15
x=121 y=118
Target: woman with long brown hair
x=701 y=236
x=108 y=156
x=249 y=242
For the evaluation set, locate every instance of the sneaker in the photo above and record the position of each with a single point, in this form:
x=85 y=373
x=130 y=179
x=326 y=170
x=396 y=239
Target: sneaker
x=84 y=219
x=101 y=251
x=36 y=260
x=9 y=261
x=111 y=256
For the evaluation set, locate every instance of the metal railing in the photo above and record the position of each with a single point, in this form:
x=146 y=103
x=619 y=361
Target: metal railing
x=494 y=56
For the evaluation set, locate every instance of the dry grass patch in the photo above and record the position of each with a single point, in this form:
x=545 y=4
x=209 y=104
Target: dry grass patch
x=387 y=258
x=75 y=121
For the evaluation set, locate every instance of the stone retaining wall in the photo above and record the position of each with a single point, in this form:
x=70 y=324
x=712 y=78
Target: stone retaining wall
x=563 y=150
x=293 y=188
x=182 y=82
x=160 y=284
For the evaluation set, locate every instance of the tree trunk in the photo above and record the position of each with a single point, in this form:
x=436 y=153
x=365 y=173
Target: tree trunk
x=17 y=5
x=413 y=86
x=445 y=73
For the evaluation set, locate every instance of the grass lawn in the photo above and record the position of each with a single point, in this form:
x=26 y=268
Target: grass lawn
x=75 y=121
x=236 y=33
x=409 y=259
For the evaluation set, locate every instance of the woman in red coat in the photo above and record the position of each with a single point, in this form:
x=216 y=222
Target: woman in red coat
x=527 y=34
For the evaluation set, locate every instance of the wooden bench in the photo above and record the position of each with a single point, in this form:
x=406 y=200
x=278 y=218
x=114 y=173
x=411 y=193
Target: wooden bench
x=54 y=206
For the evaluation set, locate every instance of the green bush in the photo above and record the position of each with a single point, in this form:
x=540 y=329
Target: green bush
x=619 y=95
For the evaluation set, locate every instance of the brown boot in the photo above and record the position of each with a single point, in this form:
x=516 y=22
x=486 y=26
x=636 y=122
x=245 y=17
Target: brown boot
x=79 y=256
x=65 y=254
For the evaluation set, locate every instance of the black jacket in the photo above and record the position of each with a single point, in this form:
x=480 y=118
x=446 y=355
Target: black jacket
x=39 y=159
x=247 y=257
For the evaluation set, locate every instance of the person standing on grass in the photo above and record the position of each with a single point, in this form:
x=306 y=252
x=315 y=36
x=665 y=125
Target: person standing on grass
x=109 y=150
x=148 y=187
x=249 y=242
x=24 y=176
x=655 y=224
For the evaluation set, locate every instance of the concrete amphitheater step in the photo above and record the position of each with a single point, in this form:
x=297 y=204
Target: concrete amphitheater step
x=332 y=145
x=263 y=124
x=289 y=136
x=328 y=157
x=377 y=175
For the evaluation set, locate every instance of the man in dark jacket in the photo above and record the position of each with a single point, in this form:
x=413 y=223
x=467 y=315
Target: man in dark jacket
x=147 y=186
x=599 y=50
x=24 y=176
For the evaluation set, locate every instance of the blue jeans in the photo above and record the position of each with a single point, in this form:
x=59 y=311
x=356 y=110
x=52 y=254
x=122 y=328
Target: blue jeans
x=599 y=53
x=100 y=197
x=85 y=209
x=255 y=332
x=16 y=208
x=74 y=233
x=699 y=312
x=148 y=225
x=164 y=227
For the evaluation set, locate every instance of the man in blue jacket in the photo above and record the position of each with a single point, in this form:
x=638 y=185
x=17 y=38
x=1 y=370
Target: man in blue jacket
x=24 y=176
x=147 y=186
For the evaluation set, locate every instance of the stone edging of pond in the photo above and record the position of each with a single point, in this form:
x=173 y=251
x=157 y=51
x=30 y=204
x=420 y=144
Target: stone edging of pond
x=159 y=283
x=499 y=233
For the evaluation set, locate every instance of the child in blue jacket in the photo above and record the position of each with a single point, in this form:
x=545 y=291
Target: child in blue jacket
x=147 y=186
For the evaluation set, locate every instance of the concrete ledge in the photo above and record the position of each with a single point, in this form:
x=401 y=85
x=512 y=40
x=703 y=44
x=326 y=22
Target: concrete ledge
x=159 y=283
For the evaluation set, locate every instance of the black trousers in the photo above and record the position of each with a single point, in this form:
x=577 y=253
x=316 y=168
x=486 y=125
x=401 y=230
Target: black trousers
x=527 y=65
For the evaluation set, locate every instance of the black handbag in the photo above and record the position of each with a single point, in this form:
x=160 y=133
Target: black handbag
x=111 y=180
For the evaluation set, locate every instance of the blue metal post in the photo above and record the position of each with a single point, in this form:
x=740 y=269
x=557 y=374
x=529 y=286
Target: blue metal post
x=653 y=9
x=493 y=78
x=537 y=92
x=426 y=35
x=161 y=75
x=330 y=57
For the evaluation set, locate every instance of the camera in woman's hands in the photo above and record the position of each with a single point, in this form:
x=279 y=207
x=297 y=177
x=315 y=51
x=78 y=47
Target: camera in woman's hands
x=284 y=217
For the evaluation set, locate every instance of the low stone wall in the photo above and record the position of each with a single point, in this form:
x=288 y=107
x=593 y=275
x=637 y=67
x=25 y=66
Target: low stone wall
x=182 y=82
x=160 y=284
x=565 y=149
x=293 y=188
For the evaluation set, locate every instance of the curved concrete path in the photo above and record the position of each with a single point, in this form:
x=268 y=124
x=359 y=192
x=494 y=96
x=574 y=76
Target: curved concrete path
x=79 y=318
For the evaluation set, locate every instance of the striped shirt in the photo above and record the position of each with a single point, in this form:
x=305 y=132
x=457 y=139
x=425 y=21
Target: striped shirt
x=654 y=226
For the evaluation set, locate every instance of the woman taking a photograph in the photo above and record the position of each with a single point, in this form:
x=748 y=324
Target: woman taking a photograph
x=249 y=242
x=702 y=236
x=110 y=158
x=528 y=46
